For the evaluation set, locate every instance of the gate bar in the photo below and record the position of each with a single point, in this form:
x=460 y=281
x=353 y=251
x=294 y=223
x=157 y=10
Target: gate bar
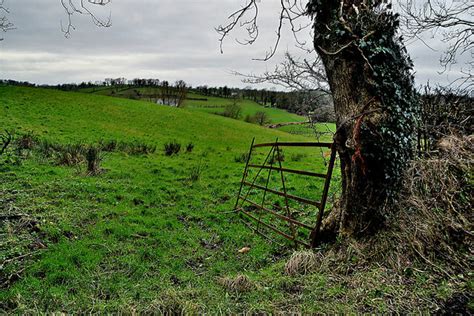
x=268 y=180
x=301 y=172
x=294 y=144
x=276 y=230
x=293 y=197
x=292 y=227
x=283 y=217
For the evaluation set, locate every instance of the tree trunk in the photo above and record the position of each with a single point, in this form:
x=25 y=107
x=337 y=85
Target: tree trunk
x=363 y=177
x=369 y=76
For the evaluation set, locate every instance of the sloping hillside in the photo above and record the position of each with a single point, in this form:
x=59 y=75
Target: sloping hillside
x=88 y=117
x=195 y=101
x=153 y=231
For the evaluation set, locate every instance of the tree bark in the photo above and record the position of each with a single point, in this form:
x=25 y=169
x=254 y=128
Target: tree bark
x=363 y=182
x=368 y=123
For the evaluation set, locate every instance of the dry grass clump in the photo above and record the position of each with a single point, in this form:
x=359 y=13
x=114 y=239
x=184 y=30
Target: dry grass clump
x=70 y=155
x=429 y=233
x=26 y=141
x=301 y=262
x=436 y=218
x=239 y=284
x=432 y=222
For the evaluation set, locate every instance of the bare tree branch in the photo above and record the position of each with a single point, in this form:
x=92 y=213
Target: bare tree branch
x=5 y=24
x=453 y=20
x=294 y=74
x=292 y=12
x=83 y=7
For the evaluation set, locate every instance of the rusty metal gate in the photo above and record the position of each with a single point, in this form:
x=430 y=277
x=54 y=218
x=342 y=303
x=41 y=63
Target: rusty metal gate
x=253 y=210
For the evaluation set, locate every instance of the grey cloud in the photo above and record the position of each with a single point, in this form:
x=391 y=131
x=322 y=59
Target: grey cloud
x=166 y=39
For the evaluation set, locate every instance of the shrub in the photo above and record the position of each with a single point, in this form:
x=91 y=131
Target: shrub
x=172 y=148
x=7 y=154
x=261 y=118
x=138 y=148
x=109 y=146
x=132 y=148
x=6 y=140
x=233 y=110
x=189 y=147
x=94 y=158
x=250 y=119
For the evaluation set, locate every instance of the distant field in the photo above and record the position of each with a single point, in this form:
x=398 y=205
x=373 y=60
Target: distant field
x=213 y=105
x=249 y=107
x=320 y=131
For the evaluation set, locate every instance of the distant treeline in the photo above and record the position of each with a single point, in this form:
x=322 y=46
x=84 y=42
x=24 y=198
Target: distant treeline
x=16 y=83
x=303 y=103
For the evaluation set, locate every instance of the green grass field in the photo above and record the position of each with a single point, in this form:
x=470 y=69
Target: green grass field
x=216 y=105
x=145 y=235
x=141 y=233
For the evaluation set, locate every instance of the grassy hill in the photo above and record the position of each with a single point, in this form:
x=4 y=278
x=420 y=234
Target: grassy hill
x=144 y=233
x=155 y=233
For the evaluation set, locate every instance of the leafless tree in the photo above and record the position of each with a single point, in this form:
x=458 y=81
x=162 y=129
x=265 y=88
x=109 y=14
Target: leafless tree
x=453 y=20
x=167 y=93
x=293 y=74
x=298 y=75
x=181 y=92
x=443 y=112
x=5 y=24
x=71 y=7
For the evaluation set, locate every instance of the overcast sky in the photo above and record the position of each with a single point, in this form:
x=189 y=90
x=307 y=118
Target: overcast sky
x=164 y=39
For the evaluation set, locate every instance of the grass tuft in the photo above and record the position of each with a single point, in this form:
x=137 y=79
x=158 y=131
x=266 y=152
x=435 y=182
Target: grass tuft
x=241 y=158
x=195 y=173
x=301 y=262
x=239 y=284
x=70 y=155
x=189 y=147
x=172 y=148
x=94 y=159
x=26 y=141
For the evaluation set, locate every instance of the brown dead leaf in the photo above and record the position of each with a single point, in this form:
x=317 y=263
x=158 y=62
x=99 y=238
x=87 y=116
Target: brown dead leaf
x=244 y=250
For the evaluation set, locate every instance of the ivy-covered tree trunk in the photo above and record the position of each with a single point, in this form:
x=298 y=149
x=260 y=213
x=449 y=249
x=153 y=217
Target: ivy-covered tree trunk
x=369 y=76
